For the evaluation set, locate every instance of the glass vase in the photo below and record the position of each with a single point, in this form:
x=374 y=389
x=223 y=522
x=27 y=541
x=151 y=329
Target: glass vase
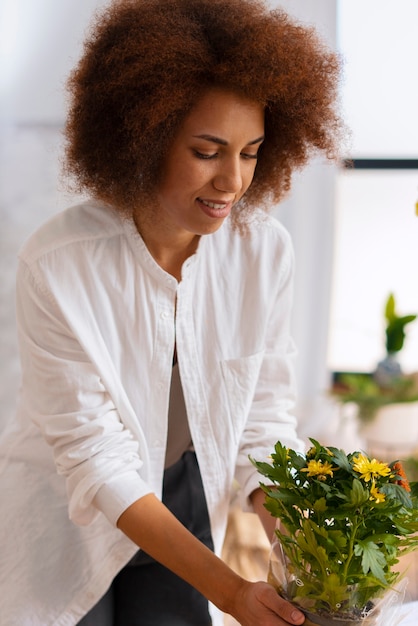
x=309 y=594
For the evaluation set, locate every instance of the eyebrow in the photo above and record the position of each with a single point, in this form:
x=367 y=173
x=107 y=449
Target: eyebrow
x=222 y=142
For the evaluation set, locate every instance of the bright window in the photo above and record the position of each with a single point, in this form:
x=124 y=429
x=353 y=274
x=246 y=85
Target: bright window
x=379 y=42
x=376 y=233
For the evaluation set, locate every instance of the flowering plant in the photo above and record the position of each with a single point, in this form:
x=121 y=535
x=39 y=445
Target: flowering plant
x=345 y=521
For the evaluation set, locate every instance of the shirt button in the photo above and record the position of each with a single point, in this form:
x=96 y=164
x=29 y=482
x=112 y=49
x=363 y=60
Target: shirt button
x=164 y=315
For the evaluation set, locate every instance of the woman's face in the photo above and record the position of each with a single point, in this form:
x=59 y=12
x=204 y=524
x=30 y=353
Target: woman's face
x=210 y=164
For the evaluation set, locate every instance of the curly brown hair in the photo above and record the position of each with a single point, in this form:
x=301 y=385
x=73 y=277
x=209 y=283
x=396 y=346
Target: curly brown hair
x=145 y=64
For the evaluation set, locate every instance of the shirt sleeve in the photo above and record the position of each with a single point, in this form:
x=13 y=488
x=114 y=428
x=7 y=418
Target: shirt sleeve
x=271 y=415
x=63 y=394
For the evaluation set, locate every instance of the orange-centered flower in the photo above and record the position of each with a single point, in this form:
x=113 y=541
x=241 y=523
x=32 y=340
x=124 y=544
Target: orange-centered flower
x=370 y=469
x=319 y=469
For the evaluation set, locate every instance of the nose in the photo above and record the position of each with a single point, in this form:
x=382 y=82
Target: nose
x=229 y=177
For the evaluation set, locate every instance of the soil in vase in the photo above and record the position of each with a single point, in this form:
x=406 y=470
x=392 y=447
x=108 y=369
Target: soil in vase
x=316 y=619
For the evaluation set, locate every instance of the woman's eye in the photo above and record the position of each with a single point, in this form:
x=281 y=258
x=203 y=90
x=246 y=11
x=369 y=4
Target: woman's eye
x=202 y=155
x=213 y=155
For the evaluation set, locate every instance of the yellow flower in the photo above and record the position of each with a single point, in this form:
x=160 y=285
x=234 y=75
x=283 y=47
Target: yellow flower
x=318 y=468
x=311 y=452
x=375 y=494
x=370 y=469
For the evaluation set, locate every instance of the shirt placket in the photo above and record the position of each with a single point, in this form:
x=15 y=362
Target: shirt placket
x=162 y=369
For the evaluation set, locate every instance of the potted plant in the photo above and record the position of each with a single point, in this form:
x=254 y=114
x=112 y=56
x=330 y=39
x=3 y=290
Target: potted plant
x=389 y=368
x=386 y=397
x=344 y=522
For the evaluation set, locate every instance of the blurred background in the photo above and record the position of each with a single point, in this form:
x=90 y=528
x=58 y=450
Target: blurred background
x=355 y=229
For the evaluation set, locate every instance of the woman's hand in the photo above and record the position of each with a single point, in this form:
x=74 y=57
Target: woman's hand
x=258 y=604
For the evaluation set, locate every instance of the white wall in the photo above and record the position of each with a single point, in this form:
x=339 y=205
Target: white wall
x=40 y=40
x=380 y=90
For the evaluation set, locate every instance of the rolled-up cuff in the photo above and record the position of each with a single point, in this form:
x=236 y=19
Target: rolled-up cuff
x=117 y=494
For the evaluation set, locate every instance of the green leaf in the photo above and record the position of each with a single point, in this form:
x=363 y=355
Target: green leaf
x=274 y=508
x=358 y=494
x=320 y=506
x=390 y=308
x=373 y=560
x=308 y=542
x=315 y=443
x=337 y=538
x=298 y=461
x=286 y=495
x=395 y=328
x=407 y=319
x=335 y=591
x=273 y=473
x=388 y=540
x=398 y=493
x=340 y=459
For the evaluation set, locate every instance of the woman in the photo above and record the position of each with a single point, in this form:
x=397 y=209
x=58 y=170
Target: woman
x=154 y=319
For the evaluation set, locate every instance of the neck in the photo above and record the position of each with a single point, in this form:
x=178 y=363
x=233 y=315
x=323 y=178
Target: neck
x=169 y=249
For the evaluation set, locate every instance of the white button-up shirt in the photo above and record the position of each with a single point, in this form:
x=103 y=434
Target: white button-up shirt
x=98 y=320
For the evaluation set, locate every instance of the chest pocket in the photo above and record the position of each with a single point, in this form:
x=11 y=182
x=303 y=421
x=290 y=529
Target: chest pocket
x=240 y=377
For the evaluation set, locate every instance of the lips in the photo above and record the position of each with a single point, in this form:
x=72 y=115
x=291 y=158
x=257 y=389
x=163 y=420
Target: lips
x=217 y=210
x=214 y=205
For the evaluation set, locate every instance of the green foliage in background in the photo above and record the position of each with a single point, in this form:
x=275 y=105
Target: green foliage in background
x=369 y=396
x=395 y=326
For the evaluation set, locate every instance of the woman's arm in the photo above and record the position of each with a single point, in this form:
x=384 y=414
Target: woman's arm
x=64 y=395
x=152 y=526
x=257 y=499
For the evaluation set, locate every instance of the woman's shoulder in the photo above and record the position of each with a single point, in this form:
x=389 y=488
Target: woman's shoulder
x=263 y=253
x=267 y=227
x=263 y=233
x=89 y=220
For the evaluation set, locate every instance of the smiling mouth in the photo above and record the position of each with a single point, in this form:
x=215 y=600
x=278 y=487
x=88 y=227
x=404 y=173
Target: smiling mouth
x=215 y=210
x=214 y=205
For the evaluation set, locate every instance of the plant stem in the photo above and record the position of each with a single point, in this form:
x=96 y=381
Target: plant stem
x=354 y=528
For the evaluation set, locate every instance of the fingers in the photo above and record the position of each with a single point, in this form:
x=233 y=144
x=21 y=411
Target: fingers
x=290 y=614
x=286 y=611
x=258 y=604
